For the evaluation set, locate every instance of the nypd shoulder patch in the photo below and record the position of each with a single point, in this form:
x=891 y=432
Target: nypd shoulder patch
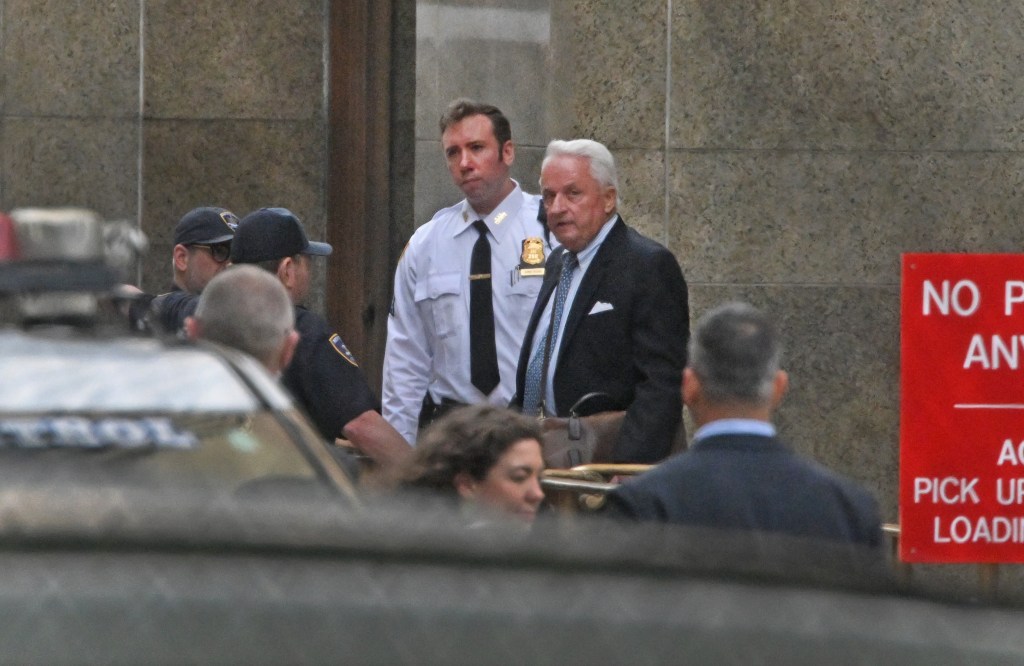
x=340 y=347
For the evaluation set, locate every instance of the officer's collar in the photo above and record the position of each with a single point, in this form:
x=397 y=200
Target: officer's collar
x=498 y=218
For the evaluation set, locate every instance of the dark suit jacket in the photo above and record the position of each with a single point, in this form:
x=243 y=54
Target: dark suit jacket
x=750 y=482
x=635 y=351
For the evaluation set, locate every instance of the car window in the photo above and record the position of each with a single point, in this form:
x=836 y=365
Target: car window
x=59 y=374
x=135 y=412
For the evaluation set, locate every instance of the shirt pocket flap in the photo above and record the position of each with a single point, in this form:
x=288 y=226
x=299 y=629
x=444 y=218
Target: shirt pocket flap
x=528 y=287
x=437 y=285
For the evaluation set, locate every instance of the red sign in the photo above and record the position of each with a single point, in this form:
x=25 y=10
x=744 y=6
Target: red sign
x=962 y=408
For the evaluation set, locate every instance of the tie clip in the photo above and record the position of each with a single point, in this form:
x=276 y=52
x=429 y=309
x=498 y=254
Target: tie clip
x=480 y=276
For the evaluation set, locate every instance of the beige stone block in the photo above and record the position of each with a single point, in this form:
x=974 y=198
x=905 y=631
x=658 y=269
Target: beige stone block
x=434 y=187
x=92 y=163
x=494 y=52
x=429 y=105
x=865 y=74
x=608 y=59
x=70 y=58
x=838 y=218
x=234 y=59
x=505 y=74
x=526 y=168
x=642 y=191
x=239 y=165
x=841 y=350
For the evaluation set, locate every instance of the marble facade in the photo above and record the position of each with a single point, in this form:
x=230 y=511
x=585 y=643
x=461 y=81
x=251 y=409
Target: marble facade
x=787 y=153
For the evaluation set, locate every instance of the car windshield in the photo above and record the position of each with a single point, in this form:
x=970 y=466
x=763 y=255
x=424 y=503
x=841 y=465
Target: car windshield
x=63 y=374
x=136 y=412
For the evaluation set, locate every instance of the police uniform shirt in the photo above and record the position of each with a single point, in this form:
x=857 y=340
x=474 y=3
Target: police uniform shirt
x=428 y=342
x=169 y=311
x=324 y=377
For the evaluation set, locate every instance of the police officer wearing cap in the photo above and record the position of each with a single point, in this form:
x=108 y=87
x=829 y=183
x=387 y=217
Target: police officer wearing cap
x=323 y=375
x=202 y=248
x=466 y=284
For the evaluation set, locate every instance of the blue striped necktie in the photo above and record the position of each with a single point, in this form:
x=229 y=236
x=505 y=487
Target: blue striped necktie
x=532 y=391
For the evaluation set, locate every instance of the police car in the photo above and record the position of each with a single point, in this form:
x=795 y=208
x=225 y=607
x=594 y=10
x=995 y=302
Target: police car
x=84 y=401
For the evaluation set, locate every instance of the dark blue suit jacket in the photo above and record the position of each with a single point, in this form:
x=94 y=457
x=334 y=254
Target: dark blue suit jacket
x=750 y=482
x=633 y=349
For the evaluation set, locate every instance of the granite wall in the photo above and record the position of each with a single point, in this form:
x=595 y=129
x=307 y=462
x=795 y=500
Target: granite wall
x=143 y=110
x=787 y=153
x=492 y=51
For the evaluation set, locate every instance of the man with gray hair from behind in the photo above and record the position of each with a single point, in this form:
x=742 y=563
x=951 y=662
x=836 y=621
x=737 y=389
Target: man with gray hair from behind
x=247 y=308
x=737 y=474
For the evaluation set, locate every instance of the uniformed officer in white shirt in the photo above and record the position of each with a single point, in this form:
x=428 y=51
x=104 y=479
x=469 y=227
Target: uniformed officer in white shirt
x=434 y=358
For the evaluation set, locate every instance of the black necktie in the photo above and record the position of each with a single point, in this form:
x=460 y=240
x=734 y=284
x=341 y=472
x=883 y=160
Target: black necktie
x=483 y=360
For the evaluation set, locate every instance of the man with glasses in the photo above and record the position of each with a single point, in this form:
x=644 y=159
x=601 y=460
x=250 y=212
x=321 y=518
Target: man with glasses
x=195 y=264
x=202 y=248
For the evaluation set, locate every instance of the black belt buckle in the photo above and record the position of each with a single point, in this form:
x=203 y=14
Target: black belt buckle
x=432 y=411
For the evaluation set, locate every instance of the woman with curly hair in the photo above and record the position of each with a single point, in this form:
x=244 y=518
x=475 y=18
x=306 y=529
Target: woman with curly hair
x=482 y=455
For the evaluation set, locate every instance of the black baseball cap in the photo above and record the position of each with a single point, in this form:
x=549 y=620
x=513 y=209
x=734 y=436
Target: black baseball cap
x=272 y=233
x=206 y=225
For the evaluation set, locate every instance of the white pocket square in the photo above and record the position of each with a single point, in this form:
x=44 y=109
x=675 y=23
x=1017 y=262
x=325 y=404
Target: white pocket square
x=600 y=306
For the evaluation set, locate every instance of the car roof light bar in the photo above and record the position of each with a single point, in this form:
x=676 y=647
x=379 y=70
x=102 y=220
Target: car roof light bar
x=53 y=250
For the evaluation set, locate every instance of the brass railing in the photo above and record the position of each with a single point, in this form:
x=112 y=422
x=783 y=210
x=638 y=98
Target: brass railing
x=584 y=487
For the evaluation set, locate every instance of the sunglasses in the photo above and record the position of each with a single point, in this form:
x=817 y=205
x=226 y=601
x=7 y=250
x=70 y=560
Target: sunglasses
x=220 y=252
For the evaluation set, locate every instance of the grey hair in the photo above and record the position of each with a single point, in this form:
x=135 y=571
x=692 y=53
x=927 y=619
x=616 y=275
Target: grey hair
x=247 y=308
x=736 y=353
x=602 y=164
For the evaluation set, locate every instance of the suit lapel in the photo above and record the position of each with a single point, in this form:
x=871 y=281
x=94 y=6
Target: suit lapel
x=585 y=295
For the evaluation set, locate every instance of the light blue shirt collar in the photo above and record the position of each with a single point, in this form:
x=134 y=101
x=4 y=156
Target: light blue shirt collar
x=734 y=427
x=586 y=254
